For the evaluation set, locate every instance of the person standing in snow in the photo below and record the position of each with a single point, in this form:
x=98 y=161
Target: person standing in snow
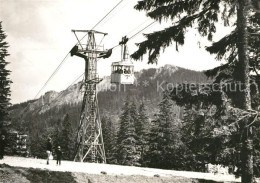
x=49 y=149
x=59 y=155
x=2 y=146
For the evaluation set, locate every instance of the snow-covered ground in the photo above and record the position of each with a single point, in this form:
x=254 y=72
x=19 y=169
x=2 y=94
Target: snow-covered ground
x=92 y=168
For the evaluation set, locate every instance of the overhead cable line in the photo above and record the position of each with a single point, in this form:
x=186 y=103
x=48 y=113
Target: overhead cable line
x=115 y=13
x=67 y=87
x=83 y=73
x=62 y=62
x=137 y=27
x=136 y=33
x=55 y=99
x=53 y=74
x=108 y=13
x=57 y=69
x=142 y=30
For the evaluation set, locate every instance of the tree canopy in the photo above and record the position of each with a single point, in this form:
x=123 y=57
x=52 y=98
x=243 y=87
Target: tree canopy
x=239 y=49
x=5 y=81
x=201 y=15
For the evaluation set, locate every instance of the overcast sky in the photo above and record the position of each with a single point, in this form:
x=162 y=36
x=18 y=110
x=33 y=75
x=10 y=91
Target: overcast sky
x=39 y=35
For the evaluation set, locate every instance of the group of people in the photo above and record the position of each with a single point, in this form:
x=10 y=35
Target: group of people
x=49 y=151
x=121 y=71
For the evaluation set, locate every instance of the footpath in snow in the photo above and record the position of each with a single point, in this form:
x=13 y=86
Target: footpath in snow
x=93 y=168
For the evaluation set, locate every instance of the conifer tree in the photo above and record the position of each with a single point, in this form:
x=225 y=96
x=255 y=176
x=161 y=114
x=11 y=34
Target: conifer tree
x=133 y=112
x=67 y=143
x=161 y=141
x=204 y=14
x=212 y=127
x=126 y=139
x=109 y=134
x=142 y=132
x=57 y=133
x=138 y=127
x=4 y=79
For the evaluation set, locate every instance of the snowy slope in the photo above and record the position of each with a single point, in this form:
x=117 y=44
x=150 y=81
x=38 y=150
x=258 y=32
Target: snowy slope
x=92 y=168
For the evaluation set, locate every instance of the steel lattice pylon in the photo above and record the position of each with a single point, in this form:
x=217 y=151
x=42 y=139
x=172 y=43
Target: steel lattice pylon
x=89 y=145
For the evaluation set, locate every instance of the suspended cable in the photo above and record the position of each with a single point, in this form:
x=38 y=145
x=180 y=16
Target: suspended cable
x=141 y=30
x=53 y=74
x=67 y=87
x=115 y=13
x=108 y=13
x=55 y=99
x=62 y=62
x=59 y=66
x=138 y=26
x=59 y=93
x=136 y=33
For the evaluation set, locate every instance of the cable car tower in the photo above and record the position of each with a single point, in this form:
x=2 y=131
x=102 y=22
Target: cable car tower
x=89 y=146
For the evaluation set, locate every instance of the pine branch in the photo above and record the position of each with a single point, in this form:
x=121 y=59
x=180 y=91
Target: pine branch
x=159 y=40
x=213 y=72
x=175 y=9
x=220 y=48
x=149 y=4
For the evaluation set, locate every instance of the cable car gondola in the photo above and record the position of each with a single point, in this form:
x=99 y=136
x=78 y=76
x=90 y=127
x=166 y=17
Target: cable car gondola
x=123 y=71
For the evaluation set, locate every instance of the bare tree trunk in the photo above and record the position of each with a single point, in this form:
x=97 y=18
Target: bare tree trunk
x=245 y=99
